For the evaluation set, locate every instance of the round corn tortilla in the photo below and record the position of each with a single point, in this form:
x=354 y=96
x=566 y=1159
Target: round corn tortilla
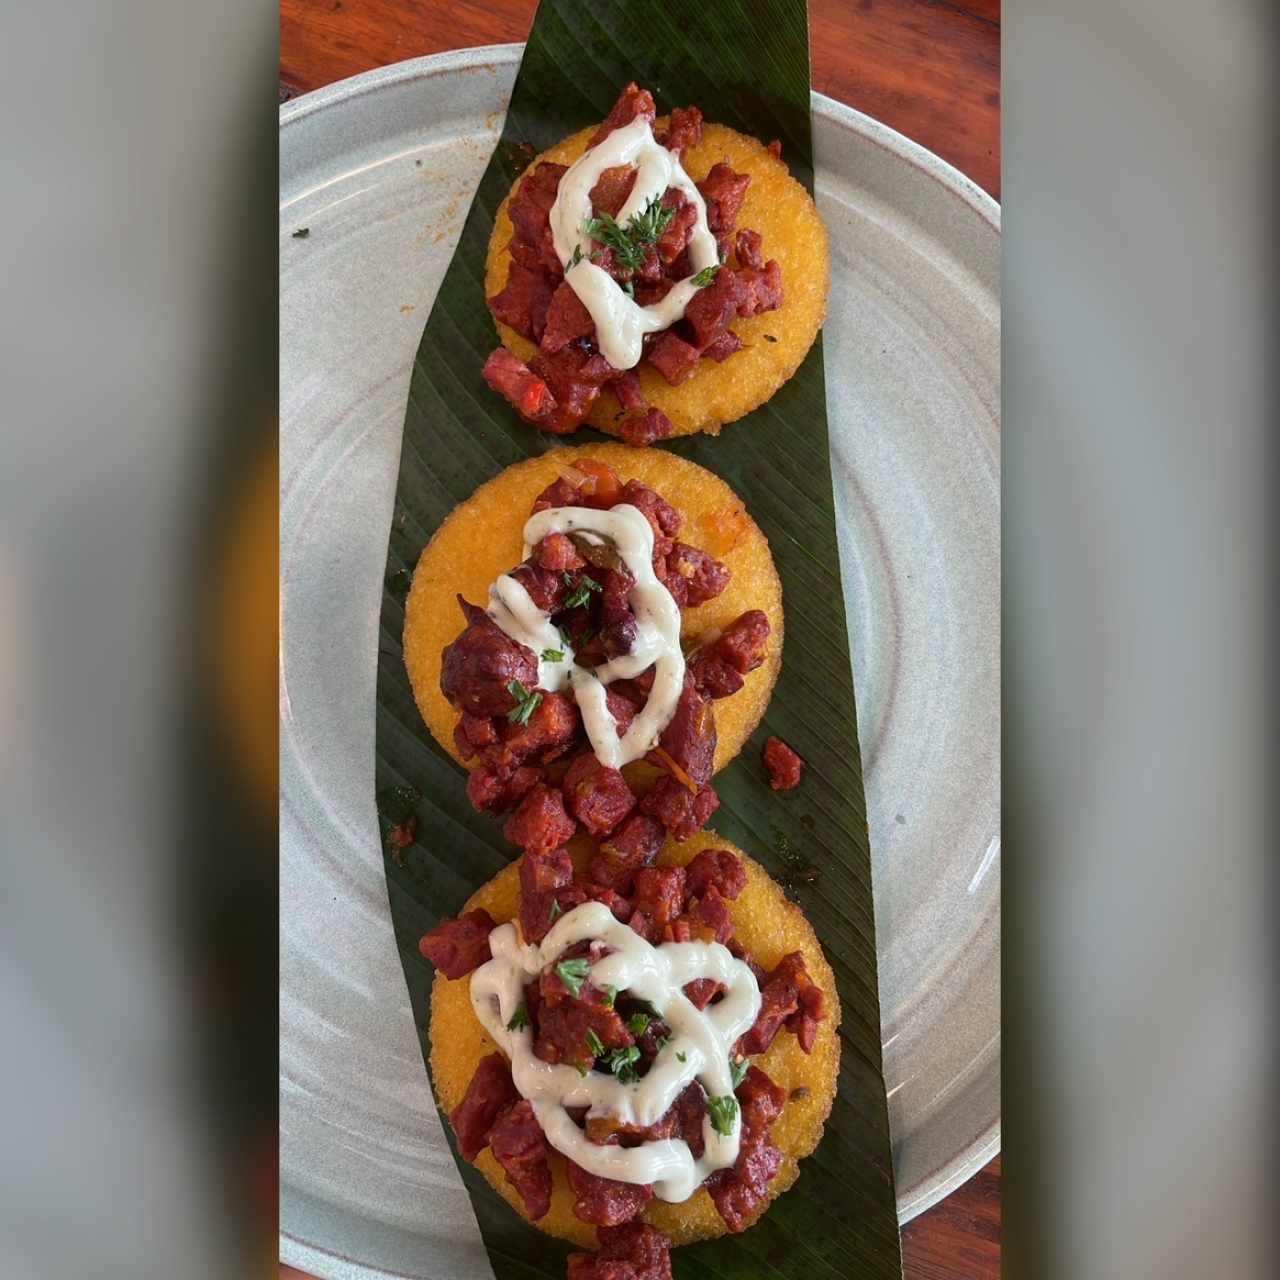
x=774 y=344
x=769 y=926
x=482 y=539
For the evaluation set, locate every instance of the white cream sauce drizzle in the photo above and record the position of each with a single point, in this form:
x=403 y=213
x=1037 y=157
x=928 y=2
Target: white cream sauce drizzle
x=654 y=974
x=621 y=322
x=657 y=637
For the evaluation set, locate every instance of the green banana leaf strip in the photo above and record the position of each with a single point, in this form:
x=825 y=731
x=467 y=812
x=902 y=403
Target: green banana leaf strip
x=747 y=66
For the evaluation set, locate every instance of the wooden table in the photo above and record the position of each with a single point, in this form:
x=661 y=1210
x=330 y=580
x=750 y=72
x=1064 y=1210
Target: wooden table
x=928 y=68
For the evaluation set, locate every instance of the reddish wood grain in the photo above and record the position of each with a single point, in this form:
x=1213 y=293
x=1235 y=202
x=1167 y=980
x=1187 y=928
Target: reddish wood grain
x=958 y=1239
x=928 y=68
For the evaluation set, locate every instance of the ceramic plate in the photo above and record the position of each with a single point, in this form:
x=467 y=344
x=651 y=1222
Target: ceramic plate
x=380 y=170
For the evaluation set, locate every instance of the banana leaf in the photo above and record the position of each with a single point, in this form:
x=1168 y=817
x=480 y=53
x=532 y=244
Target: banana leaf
x=746 y=65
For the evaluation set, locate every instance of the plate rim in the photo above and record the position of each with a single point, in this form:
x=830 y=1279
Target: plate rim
x=986 y=1145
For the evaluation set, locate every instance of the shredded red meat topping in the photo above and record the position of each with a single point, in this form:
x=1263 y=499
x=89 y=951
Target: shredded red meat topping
x=635 y=1251
x=490 y=1092
x=789 y=997
x=532 y=757
x=456 y=947
x=555 y=390
x=603 y=1201
x=716 y=868
x=478 y=667
x=520 y=1147
x=721 y=668
x=784 y=765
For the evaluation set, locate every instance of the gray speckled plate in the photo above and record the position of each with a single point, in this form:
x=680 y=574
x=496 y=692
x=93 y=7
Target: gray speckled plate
x=380 y=169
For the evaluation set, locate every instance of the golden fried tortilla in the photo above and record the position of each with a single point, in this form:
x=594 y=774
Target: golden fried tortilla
x=774 y=344
x=769 y=926
x=481 y=539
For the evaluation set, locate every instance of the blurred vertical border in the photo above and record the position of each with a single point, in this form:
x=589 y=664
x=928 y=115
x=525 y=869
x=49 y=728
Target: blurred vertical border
x=1140 y=155
x=138 y=622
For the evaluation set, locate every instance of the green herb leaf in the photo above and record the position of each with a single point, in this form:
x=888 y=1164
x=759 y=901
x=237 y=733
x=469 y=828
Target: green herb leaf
x=582 y=592
x=680 y=1057
x=610 y=994
x=553 y=655
x=706 y=276
x=556 y=908
x=638 y=1023
x=575 y=259
x=582 y=1070
x=526 y=702
x=628 y=242
x=645 y=227
x=519 y=1019
x=626 y=251
x=594 y=1043
x=630 y=290
x=738 y=1071
x=723 y=1113
x=622 y=1062
x=573 y=973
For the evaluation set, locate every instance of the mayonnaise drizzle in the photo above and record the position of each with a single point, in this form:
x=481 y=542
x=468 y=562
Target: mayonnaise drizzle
x=703 y=1037
x=657 y=641
x=621 y=322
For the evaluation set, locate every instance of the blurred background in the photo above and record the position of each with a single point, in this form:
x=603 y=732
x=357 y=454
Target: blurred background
x=138 y=638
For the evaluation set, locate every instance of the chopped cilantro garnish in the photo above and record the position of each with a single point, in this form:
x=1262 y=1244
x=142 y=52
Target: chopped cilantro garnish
x=737 y=1071
x=680 y=1057
x=556 y=908
x=582 y=592
x=610 y=993
x=638 y=1023
x=706 y=275
x=648 y=225
x=604 y=229
x=723 y=1113
x=519 y=1019
x=553 y=655
x=526 y=702
x=577 y=258
x=622 y=1062
x=594 y=1043
x=582 y=1070
x=628 y=242
x=573 y=973
x=630 y=290
x=565 y=638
